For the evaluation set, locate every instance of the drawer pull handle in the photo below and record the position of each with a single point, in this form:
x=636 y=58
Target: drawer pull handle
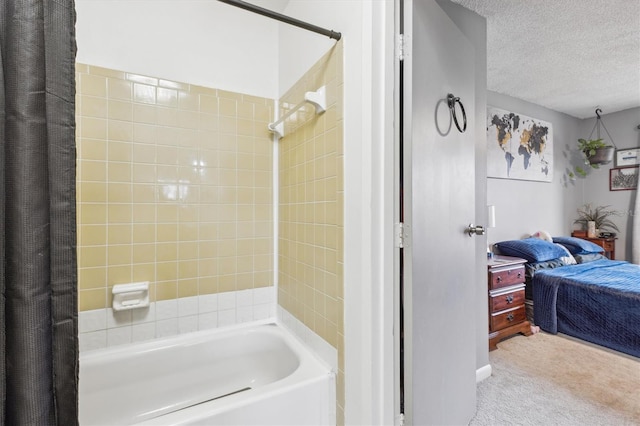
x=510 y=317
x=499 y=279
x=509 y=299
x=519 y=274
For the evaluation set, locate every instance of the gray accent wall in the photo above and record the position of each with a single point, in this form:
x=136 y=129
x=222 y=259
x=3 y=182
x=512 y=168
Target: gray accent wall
x=623 y=128
x=524 y=207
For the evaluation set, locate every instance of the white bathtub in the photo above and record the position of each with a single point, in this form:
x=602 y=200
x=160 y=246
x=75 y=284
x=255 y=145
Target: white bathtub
x=250 y=375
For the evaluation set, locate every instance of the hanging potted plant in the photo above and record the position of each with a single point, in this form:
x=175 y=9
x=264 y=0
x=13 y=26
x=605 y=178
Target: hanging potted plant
x=596 y=151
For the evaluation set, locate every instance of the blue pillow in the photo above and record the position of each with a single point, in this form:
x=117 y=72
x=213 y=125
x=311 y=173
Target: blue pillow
x=588 y=257
x=532 y=249
x=578 y=245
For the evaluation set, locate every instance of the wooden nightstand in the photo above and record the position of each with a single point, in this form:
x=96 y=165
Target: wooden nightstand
x=507 y=314
x=608 y=244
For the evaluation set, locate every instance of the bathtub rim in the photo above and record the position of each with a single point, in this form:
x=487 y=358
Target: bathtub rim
x=288 y=334
x=311 y=368
x=161 y=341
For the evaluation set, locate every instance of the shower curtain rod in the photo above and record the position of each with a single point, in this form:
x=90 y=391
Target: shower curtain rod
x=283 y=18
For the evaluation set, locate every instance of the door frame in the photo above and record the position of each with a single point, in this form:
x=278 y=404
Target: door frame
x=398 y=326
x=369 y=286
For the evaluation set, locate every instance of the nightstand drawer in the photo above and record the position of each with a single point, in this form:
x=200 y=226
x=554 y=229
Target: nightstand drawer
x=507 y=312
x=507 y=318
x=506 y=300
x=506 y=277
x=608 y=245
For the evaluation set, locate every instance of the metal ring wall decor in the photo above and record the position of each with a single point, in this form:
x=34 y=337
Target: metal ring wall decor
x=451 y=101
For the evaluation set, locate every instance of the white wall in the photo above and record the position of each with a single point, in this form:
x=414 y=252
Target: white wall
x=299 y=49
x=524 y=207
x=367 y=29
x=622 y=127
x=207 y=43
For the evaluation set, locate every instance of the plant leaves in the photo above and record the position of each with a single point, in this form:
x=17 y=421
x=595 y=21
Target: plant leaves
x=600 y=215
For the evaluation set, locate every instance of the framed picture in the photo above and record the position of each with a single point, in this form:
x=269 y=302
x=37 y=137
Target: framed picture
x=518 y=146
x=623 y=178
x=627 y=157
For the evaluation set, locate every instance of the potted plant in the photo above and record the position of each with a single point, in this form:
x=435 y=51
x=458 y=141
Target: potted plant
x=599 y=215
x=596 y=151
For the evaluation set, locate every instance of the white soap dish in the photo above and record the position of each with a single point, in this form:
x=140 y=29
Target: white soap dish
x=130 y=296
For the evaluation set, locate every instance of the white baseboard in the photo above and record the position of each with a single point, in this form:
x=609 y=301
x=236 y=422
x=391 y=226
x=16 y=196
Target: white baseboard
x=483 y=373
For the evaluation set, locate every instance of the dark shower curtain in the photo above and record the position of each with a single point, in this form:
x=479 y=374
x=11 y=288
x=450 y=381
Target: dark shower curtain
x=38 y=278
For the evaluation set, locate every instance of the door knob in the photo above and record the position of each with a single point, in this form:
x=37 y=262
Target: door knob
x=477 y=230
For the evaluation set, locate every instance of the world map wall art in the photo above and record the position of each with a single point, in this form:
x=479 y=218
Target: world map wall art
x=519 y=147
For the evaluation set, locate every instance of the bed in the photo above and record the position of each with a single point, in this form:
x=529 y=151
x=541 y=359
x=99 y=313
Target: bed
x=592 y=298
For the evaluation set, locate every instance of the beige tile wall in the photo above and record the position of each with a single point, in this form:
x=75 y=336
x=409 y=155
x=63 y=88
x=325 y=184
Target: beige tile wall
x=311 y=203
x=174 y=187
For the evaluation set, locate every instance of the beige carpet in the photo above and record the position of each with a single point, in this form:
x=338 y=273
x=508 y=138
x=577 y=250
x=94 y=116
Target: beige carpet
x=556 y=380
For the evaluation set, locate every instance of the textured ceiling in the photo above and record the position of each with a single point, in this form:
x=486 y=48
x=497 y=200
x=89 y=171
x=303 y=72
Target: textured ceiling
x=567 y=55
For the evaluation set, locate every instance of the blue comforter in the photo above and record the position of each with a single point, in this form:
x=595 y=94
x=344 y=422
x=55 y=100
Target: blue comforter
x=596 y=301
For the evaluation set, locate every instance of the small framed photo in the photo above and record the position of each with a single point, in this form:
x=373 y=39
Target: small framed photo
x=623 y=178
x=627 y=157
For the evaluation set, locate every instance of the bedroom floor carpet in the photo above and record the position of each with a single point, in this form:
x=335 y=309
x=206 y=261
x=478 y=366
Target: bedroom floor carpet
x=554 y=380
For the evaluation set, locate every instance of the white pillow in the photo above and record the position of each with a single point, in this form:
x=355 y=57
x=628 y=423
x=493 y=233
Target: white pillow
x=568 y=259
